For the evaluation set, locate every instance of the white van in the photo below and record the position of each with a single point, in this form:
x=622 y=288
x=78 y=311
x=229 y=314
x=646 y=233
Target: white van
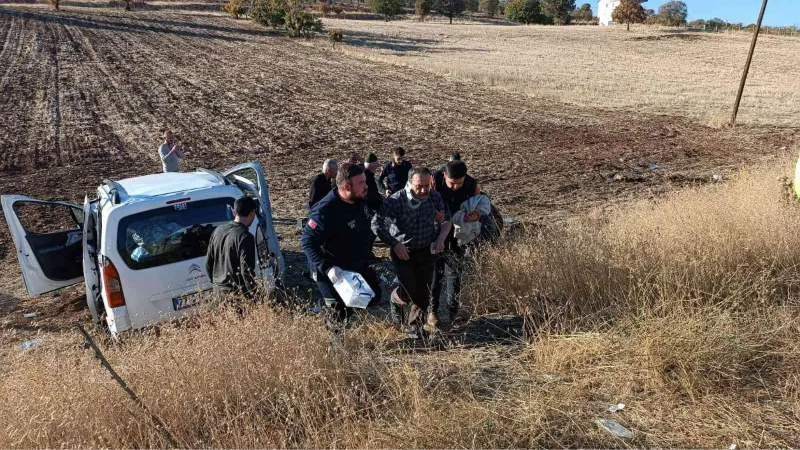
x=140 y=246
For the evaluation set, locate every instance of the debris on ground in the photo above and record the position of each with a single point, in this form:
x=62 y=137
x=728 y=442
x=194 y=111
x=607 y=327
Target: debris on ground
x=29 y=315
x=615 y=408
x=31 y=344
x=613 y=427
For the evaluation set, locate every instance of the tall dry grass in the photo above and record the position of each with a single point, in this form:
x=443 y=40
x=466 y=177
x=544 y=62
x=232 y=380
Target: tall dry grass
x=685 y=310
x=733 y=245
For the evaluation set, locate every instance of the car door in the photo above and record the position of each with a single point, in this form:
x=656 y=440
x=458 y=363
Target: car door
x=250 y=178
x=91 y=255
x=48 y=237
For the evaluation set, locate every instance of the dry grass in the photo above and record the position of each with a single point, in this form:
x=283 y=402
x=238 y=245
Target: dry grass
x=685 y=310
x=648 y=69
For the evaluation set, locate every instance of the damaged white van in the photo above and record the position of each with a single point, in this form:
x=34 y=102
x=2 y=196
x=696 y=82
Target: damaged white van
x=140 y=246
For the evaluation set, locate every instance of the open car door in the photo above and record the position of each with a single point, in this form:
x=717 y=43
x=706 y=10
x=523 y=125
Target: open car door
x=250 y=178
x=48 y=237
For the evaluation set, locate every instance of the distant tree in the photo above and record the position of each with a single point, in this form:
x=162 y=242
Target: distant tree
x=716 y=24
x=559 y=11
x=450 y=8
x=234 y=8
x=270 y=13
x=472 y=5
x=525 y=11
x=335 y=35
x=387 y=8
x=583 y=14
x=699 y=23
x=423 y=9
x=489 y=7
x=672 y=14
x=298 y=22
x=628 y=12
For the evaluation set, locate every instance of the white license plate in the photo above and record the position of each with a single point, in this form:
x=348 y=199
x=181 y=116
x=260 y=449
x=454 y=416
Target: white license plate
x=179 y=303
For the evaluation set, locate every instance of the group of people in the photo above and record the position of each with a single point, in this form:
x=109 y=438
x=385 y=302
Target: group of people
x=429 y=220
x=426 y=218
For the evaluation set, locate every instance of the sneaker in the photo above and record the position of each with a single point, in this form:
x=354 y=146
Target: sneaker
x=458 y=317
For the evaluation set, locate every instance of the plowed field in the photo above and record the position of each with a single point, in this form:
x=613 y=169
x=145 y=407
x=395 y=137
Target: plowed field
x=87 y=94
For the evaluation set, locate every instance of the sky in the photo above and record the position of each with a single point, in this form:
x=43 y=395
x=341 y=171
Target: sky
x=779 y=12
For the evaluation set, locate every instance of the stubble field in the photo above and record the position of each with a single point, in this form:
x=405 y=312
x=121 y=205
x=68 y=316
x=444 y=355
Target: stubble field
x=649 y=69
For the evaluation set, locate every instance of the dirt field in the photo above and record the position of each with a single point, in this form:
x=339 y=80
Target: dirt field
x=87 y=94
x=649 y=69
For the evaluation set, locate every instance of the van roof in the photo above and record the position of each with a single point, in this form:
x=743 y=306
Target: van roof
x=166 y=183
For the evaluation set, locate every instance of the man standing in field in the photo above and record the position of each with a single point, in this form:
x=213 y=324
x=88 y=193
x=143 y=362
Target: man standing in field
x=421 y=225
x=337 y=238
x=395 y=173
x=170 y=153
x=455 y=186
x=374 y=198
x=322 y=183
x=231 y=258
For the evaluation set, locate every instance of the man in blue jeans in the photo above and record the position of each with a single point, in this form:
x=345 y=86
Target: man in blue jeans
x=337 y=238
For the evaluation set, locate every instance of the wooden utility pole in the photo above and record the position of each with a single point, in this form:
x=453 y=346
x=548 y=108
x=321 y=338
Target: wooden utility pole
x=747 y=64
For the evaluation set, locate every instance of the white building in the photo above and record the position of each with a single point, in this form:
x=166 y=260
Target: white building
x=604 y=10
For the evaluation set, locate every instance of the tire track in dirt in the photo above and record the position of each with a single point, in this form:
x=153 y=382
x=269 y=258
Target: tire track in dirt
x=56 y=97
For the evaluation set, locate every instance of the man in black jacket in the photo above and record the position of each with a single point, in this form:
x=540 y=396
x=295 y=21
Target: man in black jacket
x=337 y=238
x=455 y=186
x=395 y=173
x=374 y=198
x=322 y=183
x=231 y=257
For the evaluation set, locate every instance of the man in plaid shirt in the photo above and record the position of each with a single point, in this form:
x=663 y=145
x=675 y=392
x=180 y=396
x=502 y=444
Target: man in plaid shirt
x=414 y=222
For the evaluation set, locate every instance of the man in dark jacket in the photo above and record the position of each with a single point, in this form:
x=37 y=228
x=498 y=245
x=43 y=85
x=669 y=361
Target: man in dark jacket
x=374 y=198
x=337 y=238
x=322 y=183
x=395 y=173
x=455 y=186
x=231 y=257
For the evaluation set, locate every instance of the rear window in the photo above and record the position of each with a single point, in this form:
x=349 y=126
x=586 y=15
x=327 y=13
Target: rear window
x=171 y=234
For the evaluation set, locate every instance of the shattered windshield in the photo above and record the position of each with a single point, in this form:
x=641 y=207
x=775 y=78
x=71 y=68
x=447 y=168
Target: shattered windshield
x=171 y=234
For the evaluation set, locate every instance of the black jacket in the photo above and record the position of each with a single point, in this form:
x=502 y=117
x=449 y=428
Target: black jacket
x=337 y=234
x=231 y=259
x=320 y=187
x=454 y=199
x=374 y=197
x=395 y=177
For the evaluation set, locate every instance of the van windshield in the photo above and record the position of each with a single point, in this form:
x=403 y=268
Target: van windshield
x=172 y=234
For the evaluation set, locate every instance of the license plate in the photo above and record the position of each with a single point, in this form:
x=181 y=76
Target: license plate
x=179 y=303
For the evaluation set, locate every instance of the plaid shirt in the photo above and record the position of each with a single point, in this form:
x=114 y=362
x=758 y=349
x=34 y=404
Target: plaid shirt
x=415 y=227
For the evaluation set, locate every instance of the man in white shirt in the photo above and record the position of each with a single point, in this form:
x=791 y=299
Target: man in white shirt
x=170 y=153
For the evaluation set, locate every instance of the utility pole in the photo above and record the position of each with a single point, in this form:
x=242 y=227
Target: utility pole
x=747 y=64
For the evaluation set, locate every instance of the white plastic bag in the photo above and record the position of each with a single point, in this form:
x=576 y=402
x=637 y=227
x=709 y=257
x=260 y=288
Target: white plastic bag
x=354 y=290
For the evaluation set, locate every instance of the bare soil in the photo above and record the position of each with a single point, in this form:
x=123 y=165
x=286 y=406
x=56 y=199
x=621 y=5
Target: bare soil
x=88 y=93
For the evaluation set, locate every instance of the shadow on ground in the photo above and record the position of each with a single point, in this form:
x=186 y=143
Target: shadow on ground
x=143 y=25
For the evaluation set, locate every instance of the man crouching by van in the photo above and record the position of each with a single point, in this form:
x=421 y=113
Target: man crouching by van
x=337 y=237
x=231 y=258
